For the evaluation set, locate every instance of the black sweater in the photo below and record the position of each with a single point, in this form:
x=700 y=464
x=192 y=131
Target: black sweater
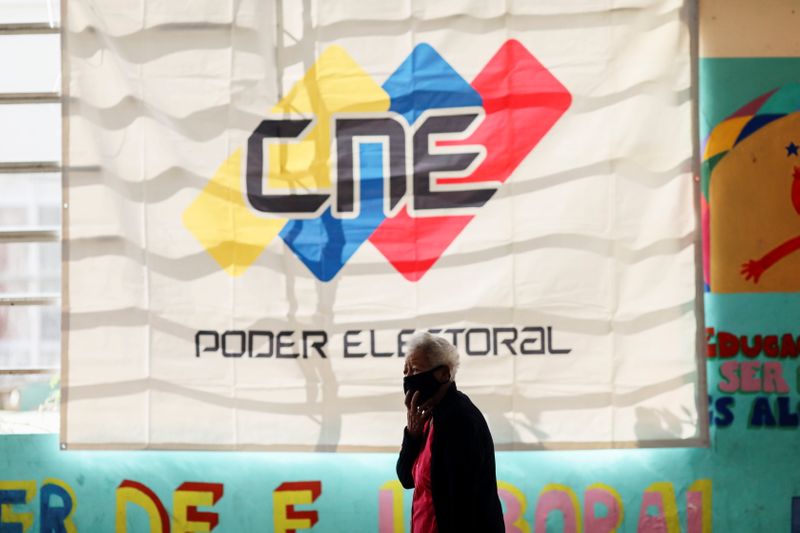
x=463 y=479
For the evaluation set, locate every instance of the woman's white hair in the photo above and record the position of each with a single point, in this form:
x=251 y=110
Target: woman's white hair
x=437 y=349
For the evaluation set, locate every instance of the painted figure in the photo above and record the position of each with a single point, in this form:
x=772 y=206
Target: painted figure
x=751 y=196
x=754 y=268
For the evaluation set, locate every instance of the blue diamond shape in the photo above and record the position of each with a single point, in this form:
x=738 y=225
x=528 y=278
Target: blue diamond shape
x=423 y=81
x=325 y=243
x=426 y=81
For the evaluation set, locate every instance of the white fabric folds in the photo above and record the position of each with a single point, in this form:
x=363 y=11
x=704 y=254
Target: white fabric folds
x=265 y=200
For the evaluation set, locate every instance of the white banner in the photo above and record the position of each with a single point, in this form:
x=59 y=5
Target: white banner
x=264 y=202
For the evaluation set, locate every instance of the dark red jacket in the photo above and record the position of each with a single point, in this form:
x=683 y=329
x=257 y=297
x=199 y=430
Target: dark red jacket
x=463 y=479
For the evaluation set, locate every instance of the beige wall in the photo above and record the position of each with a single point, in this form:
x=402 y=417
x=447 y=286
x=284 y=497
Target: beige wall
x=749 y=28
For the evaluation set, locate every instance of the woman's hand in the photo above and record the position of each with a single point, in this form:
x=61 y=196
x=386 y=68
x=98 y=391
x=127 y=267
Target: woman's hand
x=417 y=415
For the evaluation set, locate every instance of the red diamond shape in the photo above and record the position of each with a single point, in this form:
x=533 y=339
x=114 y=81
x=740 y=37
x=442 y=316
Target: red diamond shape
x=522 y=101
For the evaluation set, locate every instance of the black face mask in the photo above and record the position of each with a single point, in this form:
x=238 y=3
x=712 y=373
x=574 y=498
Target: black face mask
x=424 y=382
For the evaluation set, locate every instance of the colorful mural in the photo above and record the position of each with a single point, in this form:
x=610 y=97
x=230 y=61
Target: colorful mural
x=751 y=210
x=751 y=186
x=195 y=507
x=750 y=175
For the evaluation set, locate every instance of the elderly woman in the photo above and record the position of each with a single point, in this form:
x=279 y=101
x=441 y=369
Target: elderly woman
x=447 y=455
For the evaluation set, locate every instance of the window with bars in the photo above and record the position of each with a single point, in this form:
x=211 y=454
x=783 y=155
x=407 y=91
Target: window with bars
x=30 y=215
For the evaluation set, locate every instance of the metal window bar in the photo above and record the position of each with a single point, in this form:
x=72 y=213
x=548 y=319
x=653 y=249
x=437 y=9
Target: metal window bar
x=29 y=167
x=28 y=235
x=28 y=28
x=12 y=300
x=35 y=234
x=29 y=98
x=29 y=299
x=27 y=371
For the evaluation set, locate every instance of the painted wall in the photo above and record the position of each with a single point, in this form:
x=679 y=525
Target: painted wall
x=645 y=490
x=747 y=481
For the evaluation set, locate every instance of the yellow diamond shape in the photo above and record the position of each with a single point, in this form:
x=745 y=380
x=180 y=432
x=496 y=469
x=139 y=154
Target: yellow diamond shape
x=233 y=234
x=227 y=229
x=334 y=84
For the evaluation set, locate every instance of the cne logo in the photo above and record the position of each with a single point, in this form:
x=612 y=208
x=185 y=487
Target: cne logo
x=404 y=165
